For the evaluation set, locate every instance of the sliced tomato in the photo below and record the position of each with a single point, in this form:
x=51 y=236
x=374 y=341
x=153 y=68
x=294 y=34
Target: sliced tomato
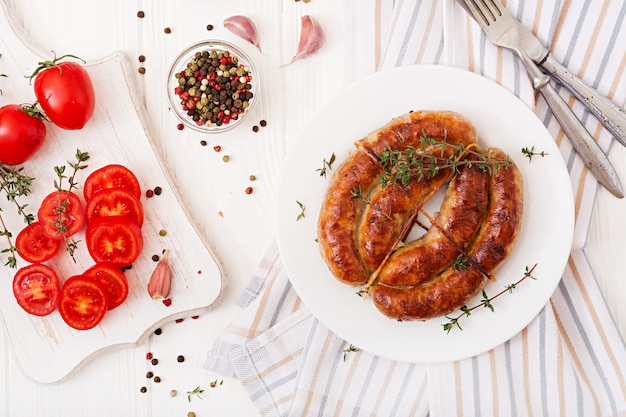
x=83 y=302
x=111 y=176
x=36 y=289
x=112 y=279
x=61 y=214
x=34 y=246
x=114 y=239
x=114 y=202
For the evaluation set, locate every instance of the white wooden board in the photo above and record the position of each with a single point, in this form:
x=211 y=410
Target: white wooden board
x=47 y=349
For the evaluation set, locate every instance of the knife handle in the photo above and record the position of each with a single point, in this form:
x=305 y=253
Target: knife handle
x=585 y=145
x=611 y=116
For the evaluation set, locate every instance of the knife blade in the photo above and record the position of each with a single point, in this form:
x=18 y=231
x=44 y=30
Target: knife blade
x=610 y=115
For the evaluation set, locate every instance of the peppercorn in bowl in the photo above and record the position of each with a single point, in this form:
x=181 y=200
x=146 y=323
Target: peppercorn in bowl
x=212 y=86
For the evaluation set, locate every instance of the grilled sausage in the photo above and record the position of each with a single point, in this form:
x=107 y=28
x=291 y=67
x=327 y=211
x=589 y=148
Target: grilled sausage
x=341 y=214
x=453 y=288
x=461 y=214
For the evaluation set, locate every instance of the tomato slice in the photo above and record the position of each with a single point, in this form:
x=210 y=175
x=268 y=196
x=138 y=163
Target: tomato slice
x=112 y=279
x=111 y=176
x=114 y=202
x=36 y=289
x=34 y=246
x=114 y=239
x=61 y=214
x=83 y=302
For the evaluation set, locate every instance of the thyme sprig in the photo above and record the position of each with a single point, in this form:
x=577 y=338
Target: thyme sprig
x=529 y=153
x=412 y=163
x=485 y=302
x=196 y=391
x=2 y=75
x=326 y=165
x=351 y=348
x=62 y=208
x=14 y=184
x=302 y=208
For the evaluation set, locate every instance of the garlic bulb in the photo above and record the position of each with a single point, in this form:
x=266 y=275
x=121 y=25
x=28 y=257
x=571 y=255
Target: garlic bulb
x=243 y=27
x=311 y=39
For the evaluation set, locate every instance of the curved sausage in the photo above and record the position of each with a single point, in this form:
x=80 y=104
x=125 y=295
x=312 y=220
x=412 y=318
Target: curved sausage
x=341 y=214
x=453 y=288
x=461 y=214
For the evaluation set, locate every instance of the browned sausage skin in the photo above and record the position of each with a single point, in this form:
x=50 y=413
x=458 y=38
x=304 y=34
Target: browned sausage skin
x=341 y=214
x=453 y=288
x=461 y=214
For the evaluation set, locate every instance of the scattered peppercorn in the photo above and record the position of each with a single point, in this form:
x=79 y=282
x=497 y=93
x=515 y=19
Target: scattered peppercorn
x=263 y=123
x=249 y=190
x=180 y=126
x=158 y=331
x=252 y=177
x=155 y=258
x=141 y=58
x=209 y=27
x=180 y=358
x=143 y=389
x=154 y=361
x=195 y=317
x=203 y=142
x=255 y=128
x=167 y=302
x=141 y=70
x=157 y=379
x=225 y=158
x=179 y=320
x=167 y=30
x=162 y=232
x=140 y=14
x=149 y=374
x=217 y=148
x=173 y=393
x=149 y=355
x=149 y=193
x=191 y=414
x=158 y=190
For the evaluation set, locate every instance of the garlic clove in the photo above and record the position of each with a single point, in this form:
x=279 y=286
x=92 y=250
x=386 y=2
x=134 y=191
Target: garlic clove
x=161 y=279
x=243 y=27
x=311 y=39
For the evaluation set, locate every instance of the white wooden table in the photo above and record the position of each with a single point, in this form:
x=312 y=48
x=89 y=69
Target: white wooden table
x=237 y=226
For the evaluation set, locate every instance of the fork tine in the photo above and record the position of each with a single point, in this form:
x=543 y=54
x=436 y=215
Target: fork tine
x=485 y=11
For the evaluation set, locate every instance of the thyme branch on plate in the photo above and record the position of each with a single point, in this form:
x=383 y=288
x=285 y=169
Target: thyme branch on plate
x=485 y=302
x=63 y=195
x=326 y=165
x=301 y=214
x=14 y=184
x=357 y=194
x=529 y=153
x=406 y=165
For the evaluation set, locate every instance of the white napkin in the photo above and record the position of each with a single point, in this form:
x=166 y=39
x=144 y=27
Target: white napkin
x=570 y=360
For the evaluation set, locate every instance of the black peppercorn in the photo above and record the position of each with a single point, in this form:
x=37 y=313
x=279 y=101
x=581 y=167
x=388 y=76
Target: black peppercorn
x=180 y=358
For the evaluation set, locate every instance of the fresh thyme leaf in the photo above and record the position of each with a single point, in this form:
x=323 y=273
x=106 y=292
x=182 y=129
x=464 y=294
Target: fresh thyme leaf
x=326 y=165
x=196 y=391
x=351 y=348
x=529 y=153
x=301 y=215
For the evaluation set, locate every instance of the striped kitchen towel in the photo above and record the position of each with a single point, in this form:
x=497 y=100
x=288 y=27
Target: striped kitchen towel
x=570 y=360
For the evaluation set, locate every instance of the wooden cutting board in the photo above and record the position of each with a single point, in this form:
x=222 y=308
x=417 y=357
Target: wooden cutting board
x=46 y=348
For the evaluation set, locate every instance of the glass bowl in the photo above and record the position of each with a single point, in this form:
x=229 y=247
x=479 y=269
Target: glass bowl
x=212 y=86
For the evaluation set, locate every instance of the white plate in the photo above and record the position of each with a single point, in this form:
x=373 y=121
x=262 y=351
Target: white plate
x=501 y=120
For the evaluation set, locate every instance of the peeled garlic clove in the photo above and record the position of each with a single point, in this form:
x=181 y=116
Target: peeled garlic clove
x=311 y=38
x=161 y=280
x=243 y=27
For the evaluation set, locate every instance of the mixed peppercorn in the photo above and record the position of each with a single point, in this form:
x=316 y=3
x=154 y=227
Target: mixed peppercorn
x=214 y=88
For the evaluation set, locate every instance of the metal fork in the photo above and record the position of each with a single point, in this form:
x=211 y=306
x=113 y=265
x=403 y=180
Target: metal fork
x=502 y=29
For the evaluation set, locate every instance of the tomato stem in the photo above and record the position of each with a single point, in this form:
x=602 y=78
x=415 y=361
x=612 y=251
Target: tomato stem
x=51 y=64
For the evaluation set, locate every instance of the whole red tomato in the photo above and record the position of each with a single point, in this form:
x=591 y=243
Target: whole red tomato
x=22 y=133
x=65 y=92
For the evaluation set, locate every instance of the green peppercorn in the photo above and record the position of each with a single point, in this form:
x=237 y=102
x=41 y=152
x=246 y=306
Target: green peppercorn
x=225 y=158
x=252 y=177
x=162 y=232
